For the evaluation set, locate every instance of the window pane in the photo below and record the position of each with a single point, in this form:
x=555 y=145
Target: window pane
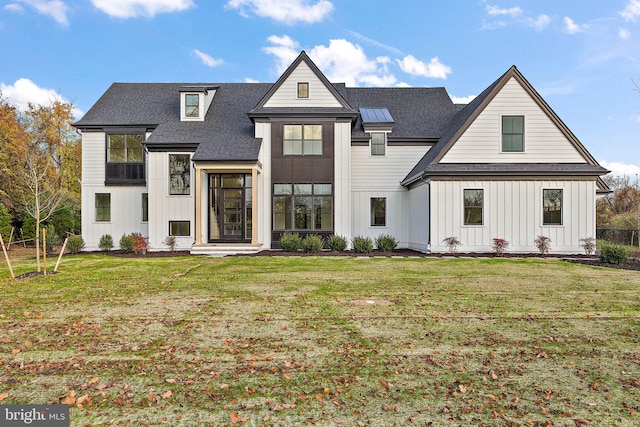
x=282 y=208
x=303 y=90
x=320 y=189
x=323 y=213
x=377 y=143
x=552 y=207
x=134 y=148
x=192 y=105
x=280 y=189
x=302 y=213
x=103 y=207
x=179 y=174
x=292 y=132
x=116 y=149
x=292 y=148
x=302 y=188
x=312 y=148
x=378 y=211
x=145 y=207
x=473 y=205
x=232 y=181
x=179 y=228
x=513 y=133
x=312 y=131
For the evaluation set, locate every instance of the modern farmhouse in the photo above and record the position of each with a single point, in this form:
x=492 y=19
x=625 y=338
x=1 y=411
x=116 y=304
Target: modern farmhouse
x=233 y=166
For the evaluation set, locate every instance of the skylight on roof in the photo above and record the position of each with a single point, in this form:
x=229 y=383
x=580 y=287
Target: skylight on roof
x=376 y=115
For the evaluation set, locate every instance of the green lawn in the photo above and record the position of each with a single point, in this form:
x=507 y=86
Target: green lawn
x=190 y=341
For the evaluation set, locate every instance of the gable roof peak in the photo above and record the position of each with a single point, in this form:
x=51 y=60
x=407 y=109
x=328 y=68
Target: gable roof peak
x=303 y=57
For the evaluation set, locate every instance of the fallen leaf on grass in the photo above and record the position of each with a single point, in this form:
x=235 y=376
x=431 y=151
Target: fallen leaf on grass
x=3 y=396
x=167 y=394
x=234 y=418
x=462 y=388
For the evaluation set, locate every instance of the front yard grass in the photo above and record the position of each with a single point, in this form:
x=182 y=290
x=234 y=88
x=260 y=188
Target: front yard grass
x=190 y=341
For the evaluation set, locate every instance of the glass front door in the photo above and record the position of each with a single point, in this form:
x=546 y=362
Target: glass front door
x=229 y=207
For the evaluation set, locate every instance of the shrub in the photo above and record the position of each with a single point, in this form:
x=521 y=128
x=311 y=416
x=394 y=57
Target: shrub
x=106 y=242
x=337 y=243
x=362 y=245
x=171 y=242
x=290 y=242
x=452 y=243
x=614 y=254
x=63 y=221
x=126 y=244
x=588 y=244
x=75 y=244
x=543 y=243
x=312 y=243
x=386 y=243
x=139 y=243
x=499 y=245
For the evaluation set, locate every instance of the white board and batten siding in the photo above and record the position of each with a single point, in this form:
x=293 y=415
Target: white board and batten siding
x=380 y=176
x=512 y=210
x=543 y=140
x=287 y=94
x=418 y=218
x=126 y=202
x=164 y=207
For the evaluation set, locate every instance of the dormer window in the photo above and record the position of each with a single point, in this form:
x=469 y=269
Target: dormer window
x=192 y=105
x=303 y=90
x=195 y=101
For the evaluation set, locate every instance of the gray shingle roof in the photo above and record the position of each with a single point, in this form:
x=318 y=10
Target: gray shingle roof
x=225 y=134
x=418 y=112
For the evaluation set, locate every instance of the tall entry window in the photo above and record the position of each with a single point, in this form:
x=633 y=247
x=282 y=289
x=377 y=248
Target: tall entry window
x=230 y=207
x=302 y=207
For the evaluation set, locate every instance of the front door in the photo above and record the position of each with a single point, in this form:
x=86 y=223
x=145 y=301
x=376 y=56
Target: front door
x=229 y=207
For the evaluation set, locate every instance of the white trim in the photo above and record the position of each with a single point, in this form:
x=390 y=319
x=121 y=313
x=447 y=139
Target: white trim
x=183 y=107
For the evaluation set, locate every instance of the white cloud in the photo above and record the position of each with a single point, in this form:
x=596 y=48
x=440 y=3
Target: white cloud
x=434 y=69
x=341 y=61
x=24 y=91
x=463 y=99
x=345 y=62
x=496 y=11
x=53 y=8
x=571 y=27
x=251 y=80
x=136 y=8
x=541 y=22
x=624 y=34
x=632 y=11
x=284 y=48
x=620 y=169
x=207 y=59
x=286 y=11
x=375 y=43
x=13 y=7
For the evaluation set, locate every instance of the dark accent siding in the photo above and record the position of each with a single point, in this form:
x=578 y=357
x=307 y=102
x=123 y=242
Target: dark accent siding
x=302 y=169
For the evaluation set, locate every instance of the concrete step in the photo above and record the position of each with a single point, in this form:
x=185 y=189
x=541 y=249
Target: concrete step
x=220 y=250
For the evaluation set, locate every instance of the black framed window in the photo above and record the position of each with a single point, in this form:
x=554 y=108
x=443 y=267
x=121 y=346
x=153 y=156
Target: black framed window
x=302 y=140
x=145 y=207
x=512 y=133
x=378 y=211
x=473 y=206
x=125 y=159
x=103 y=207
x=302 y=207
x=192 y=105
x=552 y=206
x=179 y=174
x=303 y=90
x=378 y=143
x=179 y=228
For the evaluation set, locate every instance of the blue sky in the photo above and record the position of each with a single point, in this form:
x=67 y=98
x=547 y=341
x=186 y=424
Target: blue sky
x=582 y=56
